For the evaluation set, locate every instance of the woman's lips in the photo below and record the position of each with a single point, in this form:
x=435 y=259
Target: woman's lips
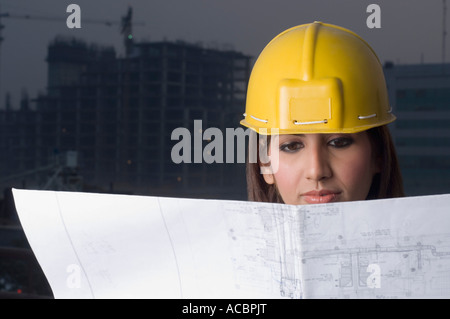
x=320 y=197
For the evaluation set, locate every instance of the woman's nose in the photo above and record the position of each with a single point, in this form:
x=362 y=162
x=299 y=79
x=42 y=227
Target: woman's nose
x=317 y=166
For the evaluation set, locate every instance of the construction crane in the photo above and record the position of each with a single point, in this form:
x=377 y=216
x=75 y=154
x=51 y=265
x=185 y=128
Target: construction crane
x=125 y=24
x=62 y=175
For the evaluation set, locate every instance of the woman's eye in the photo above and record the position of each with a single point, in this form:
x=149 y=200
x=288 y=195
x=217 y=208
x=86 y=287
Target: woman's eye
x=291 y=147
x=341 y=142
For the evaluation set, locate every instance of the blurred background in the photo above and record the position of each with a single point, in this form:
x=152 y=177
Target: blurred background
x=92 y=109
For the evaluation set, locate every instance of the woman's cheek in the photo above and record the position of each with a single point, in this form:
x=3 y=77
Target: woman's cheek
x=356 y=175
x=286 y=178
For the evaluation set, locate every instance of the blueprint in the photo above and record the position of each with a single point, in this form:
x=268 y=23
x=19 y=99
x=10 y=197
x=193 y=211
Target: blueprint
x=121 y=246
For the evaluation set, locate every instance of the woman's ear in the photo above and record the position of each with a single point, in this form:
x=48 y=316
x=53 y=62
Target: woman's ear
x=265 y=170
x=269 y=178
x=265 y=167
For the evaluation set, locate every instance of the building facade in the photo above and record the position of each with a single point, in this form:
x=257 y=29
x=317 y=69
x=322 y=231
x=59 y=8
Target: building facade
x=420 y=95
x=118 y=114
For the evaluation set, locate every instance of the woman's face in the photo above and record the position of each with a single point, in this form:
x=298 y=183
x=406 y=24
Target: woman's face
x=322 y=168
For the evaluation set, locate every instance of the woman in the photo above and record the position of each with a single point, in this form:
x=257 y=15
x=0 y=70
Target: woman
x=318 y=92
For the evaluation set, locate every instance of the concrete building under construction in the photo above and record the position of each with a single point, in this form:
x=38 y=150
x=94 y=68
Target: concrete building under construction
x=117 y=115
x=420 y=95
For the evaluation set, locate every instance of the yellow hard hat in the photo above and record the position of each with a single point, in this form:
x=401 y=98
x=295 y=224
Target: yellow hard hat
x=317 y=78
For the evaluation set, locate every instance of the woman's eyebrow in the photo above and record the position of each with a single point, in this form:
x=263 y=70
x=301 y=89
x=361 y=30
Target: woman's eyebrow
x=283 y=137
x=296 y=135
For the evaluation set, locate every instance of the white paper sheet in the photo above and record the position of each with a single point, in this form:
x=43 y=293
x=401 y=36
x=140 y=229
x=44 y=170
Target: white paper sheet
x=118 y=246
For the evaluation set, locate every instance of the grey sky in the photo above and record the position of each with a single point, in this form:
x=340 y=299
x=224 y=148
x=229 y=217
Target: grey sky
x=411 y=30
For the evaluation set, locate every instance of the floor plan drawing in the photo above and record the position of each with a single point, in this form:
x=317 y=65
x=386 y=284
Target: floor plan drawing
x=152 y=247
x=377 y=258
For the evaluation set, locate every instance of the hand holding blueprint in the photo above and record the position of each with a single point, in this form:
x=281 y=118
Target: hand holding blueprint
x=118 y=246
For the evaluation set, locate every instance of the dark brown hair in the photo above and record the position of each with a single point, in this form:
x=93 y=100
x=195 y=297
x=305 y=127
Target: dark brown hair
x=386 y=184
